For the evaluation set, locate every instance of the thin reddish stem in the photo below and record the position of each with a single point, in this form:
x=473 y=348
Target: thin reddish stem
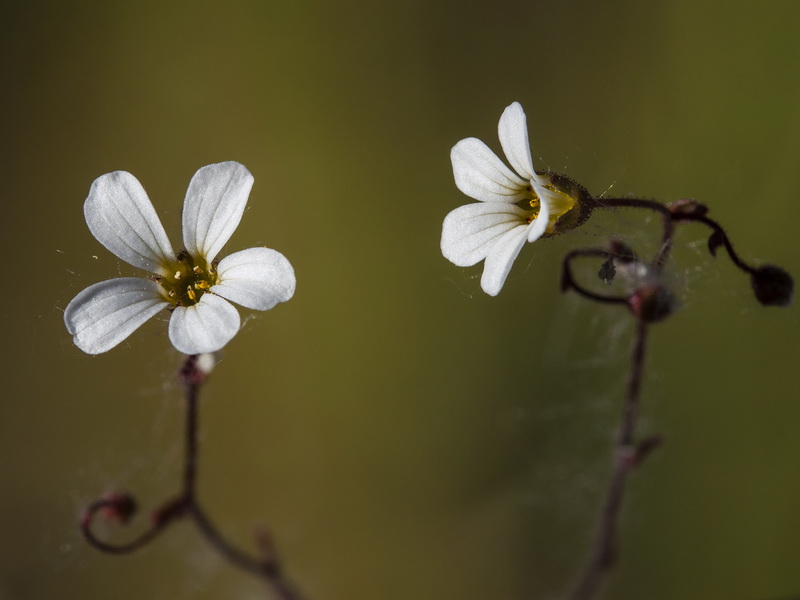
x=121 y=507
x=604 y=553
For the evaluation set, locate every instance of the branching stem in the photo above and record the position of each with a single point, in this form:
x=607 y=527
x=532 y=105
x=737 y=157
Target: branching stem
x=121 y=506
x=667 y=218
x=649 y=303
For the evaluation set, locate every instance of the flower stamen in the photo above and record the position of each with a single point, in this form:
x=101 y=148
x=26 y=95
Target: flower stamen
x=535 y=205
x=189 y=280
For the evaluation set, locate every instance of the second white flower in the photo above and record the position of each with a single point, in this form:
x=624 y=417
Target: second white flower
x=515 y=206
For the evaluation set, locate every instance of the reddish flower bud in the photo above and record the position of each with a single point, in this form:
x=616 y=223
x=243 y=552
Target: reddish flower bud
x=651 y=303
x=118 y=507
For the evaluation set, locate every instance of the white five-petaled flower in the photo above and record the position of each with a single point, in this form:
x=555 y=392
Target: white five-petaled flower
x=515 y=206
x=191 y=283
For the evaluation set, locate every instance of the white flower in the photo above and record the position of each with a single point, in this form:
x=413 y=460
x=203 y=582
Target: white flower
x=514 y=207
x=191 y=284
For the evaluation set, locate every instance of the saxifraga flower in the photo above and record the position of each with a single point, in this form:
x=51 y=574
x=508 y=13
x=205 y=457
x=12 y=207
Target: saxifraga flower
x=514 y=206
x=191 y=284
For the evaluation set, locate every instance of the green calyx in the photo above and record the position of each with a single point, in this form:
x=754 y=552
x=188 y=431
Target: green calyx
x=573 y=207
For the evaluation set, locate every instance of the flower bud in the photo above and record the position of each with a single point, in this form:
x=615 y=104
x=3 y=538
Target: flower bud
x=118 y=507
x=652 y=303
x=772 y=285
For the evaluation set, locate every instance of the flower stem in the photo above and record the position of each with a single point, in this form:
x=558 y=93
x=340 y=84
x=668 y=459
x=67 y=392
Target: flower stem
x=721 y=236
x=649 y=303
x=568 y=281
x=120 y=507
x=668 y=227
x=191 y=448
x=604 y=553
x=267 y=567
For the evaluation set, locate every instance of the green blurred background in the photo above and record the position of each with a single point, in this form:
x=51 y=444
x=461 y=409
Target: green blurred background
x=400 y=433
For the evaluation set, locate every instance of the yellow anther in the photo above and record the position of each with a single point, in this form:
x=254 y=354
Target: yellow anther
x=191 y=294
x=197 y=270
x=201 y=285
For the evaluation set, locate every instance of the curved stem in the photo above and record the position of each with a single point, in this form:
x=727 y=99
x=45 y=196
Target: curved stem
x=120 y=506
x=104 y=504
x=568 y=281
x=668 y=228
x=669 y=217
x=723 y=238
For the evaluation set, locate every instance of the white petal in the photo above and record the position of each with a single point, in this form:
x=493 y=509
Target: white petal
x=214 y=204
x=120 y=215
x=482 y=176
x=203 y=327
x=540 y=223
x=257 y=278
x=513 y=133
x=106 y=313
x=470 y=232
x=500 y=259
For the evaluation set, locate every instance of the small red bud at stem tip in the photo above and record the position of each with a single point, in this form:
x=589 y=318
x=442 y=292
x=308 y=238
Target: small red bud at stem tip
x=651 y=303
x=118 y=507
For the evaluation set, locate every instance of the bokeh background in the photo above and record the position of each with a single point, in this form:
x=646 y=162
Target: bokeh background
x=400 y=433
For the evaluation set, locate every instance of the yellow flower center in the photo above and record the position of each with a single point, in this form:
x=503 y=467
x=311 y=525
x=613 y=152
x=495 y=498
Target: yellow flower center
x=559 y=204
x=187 y=280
